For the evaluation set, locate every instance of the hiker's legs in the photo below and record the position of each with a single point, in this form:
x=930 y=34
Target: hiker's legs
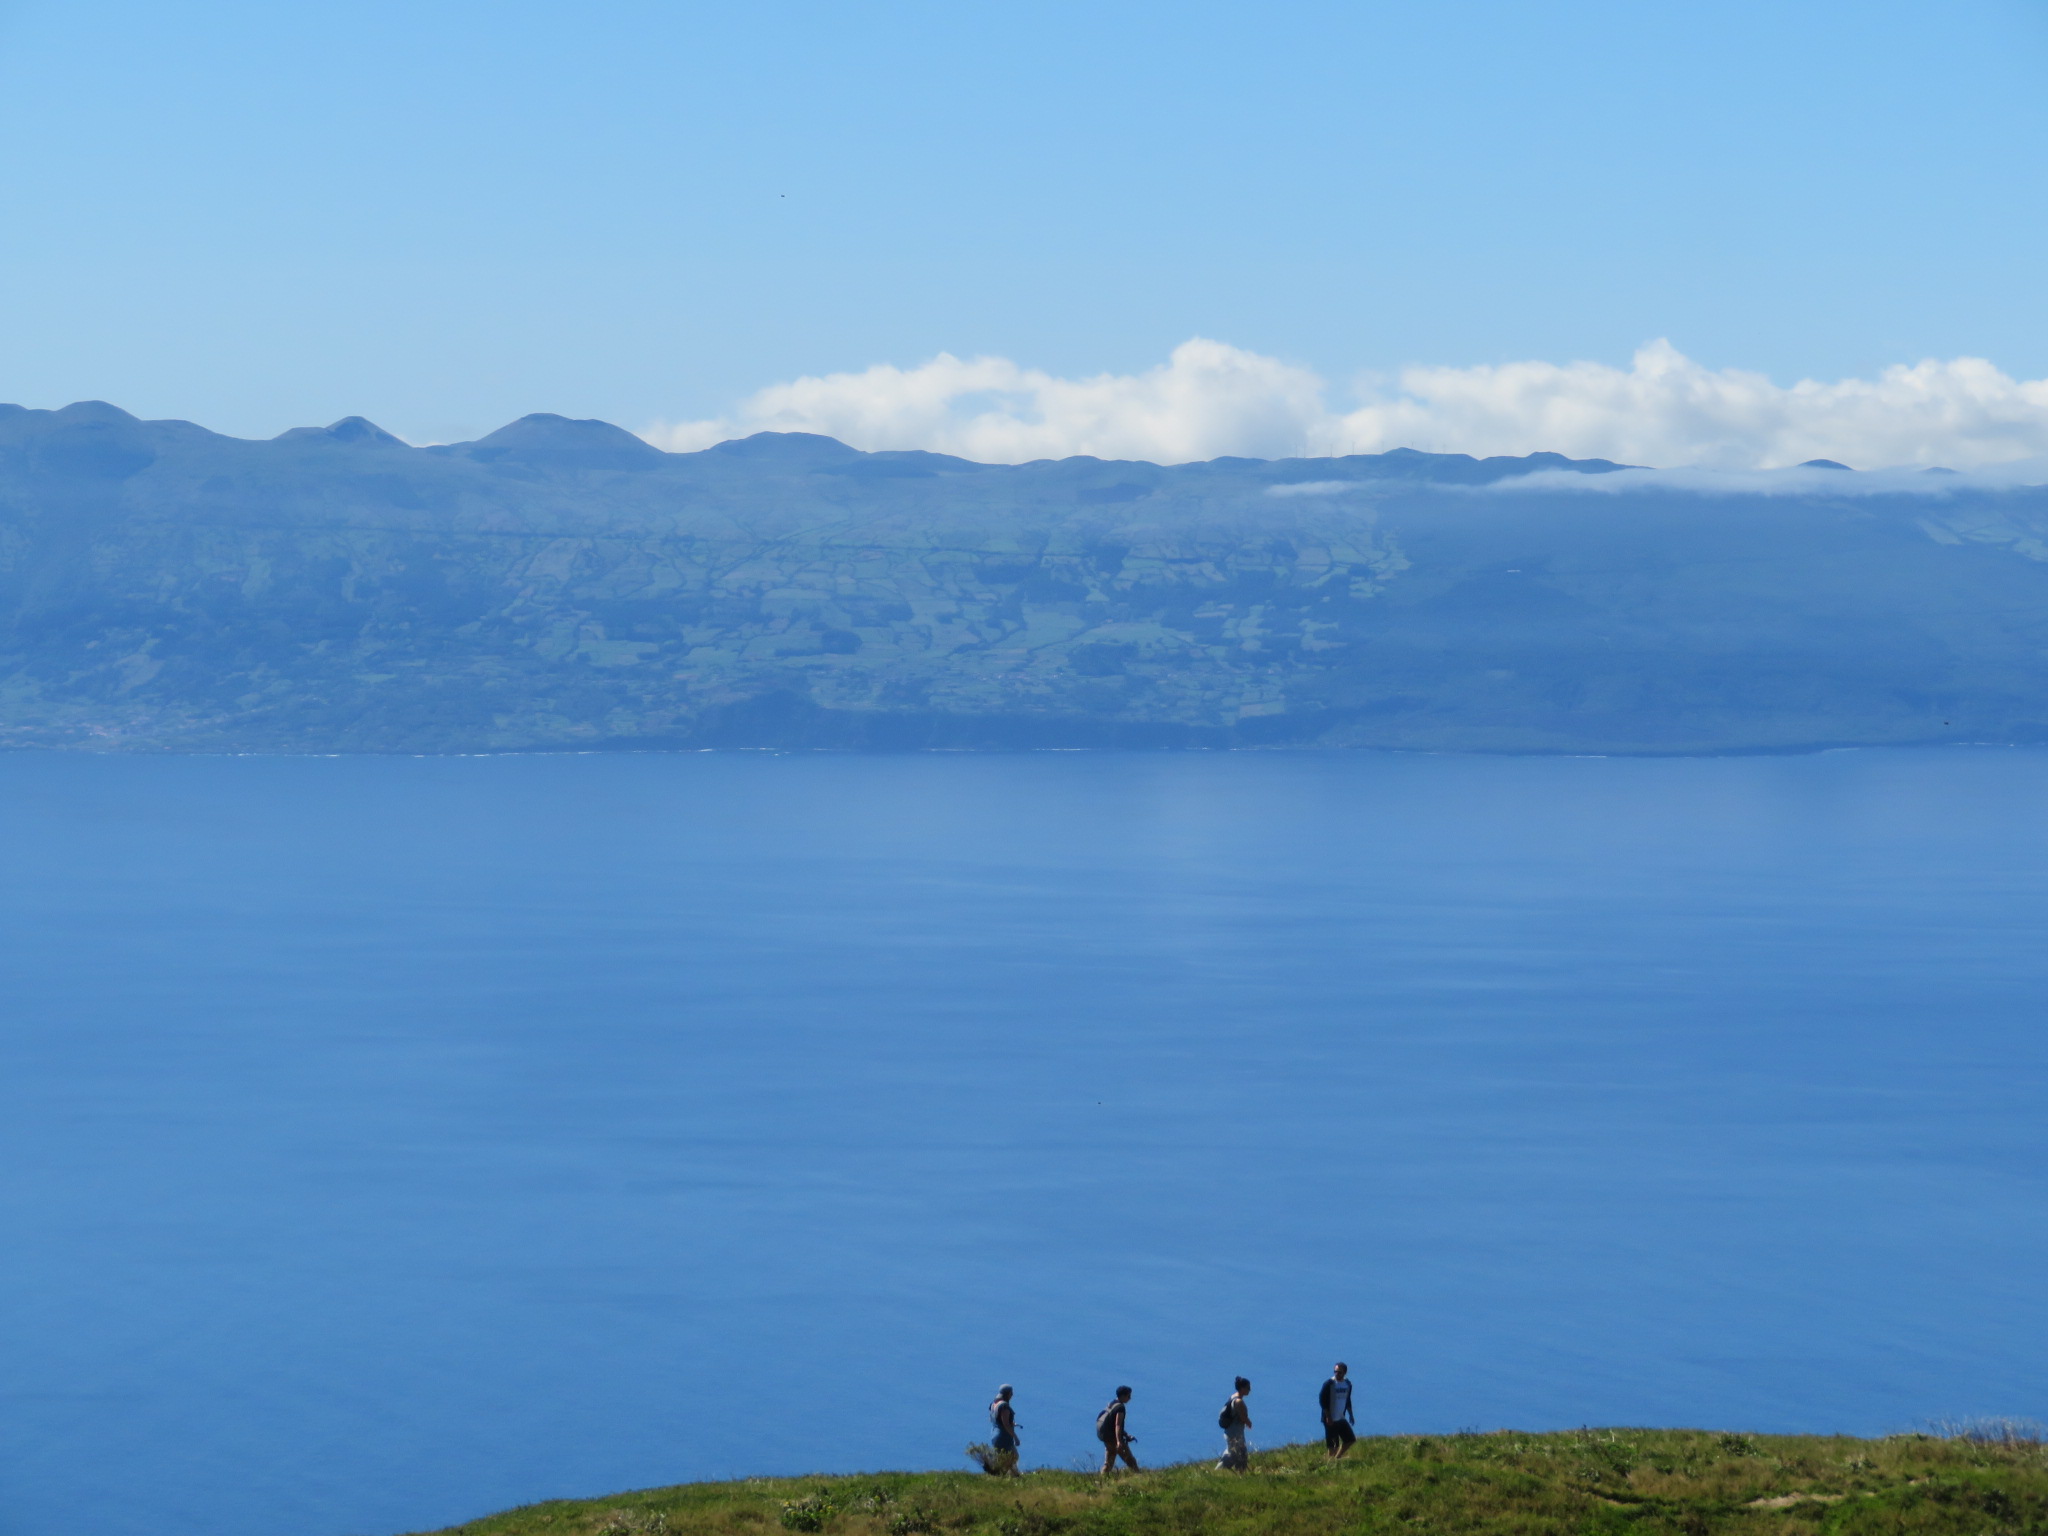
x=1236 y=1457
x=1130 y=1461
x=1337 y=1436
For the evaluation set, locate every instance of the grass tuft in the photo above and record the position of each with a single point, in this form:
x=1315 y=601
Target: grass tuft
x=2013 y=1434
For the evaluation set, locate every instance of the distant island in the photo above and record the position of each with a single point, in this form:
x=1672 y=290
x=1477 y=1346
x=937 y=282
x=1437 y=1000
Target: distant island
x=1646 y=1481
x=563 y=585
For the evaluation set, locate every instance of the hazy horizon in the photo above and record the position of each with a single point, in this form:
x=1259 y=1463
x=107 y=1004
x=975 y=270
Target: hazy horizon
x=1253 y=408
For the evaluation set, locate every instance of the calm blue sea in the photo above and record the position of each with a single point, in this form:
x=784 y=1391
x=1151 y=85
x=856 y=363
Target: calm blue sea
x=387 y=1141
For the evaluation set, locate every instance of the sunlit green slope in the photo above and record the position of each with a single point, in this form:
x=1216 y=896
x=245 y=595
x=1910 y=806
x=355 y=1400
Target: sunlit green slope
x=1685 y=1483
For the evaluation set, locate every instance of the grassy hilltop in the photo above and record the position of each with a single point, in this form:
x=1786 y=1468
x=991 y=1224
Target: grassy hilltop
x=1687 y=1482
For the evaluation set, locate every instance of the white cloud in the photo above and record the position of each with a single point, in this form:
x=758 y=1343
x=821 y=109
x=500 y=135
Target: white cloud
x=1796 y=481
x=1316 y=487
x=1210 y=399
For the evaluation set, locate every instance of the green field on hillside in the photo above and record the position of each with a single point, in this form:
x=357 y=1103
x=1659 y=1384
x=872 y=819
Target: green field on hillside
x=1603 y=1481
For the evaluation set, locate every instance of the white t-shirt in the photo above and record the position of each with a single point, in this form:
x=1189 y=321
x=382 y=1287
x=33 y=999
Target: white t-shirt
x=1340 y=1398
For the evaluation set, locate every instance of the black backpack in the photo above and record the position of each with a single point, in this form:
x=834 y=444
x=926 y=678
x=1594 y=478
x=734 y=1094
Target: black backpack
x=1105 y=1424
x=1227 y=1419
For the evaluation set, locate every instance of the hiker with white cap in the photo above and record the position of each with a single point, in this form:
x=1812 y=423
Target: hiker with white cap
x=1004 y=1418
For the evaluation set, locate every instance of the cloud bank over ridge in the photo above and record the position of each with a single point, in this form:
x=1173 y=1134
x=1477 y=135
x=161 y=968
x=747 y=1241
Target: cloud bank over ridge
x=1211 y=399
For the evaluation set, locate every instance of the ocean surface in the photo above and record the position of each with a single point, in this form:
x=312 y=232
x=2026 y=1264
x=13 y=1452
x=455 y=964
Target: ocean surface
x=385 y=1141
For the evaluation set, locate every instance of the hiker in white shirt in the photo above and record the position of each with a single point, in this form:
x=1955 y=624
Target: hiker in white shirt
x=1234 y=1420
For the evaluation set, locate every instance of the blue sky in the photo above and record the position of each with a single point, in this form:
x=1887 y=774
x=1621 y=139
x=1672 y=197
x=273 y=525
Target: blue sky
x=443 y=215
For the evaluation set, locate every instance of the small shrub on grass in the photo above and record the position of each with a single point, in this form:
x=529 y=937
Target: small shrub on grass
x=809 y=1514
x=992 y=1461
x=1032 y=1522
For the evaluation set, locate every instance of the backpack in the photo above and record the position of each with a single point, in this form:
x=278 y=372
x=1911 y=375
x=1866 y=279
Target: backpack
x=1105 y=1424
x=1227 y=1419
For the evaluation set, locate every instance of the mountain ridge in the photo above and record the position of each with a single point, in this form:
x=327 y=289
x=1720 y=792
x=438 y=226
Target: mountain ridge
x=562 y=584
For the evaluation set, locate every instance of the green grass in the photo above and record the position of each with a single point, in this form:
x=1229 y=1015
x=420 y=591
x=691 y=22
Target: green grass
x=1604 y=1482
